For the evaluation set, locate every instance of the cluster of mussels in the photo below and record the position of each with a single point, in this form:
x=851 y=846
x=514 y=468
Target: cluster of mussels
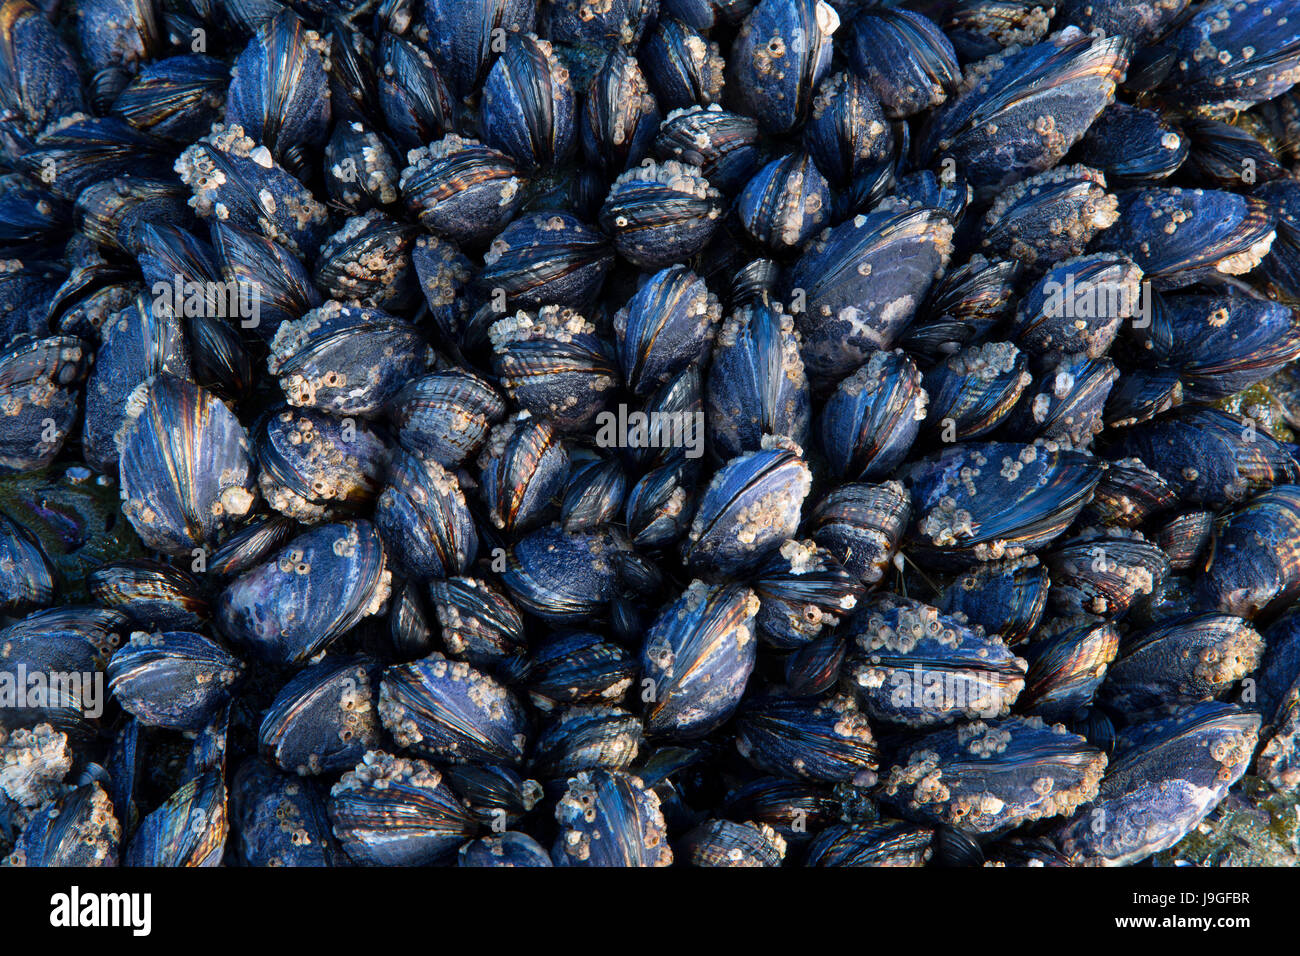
x=627 y=432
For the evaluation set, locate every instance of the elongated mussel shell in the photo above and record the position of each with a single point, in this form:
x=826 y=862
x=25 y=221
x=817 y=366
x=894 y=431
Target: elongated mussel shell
x=524 y=468
x=78 y=829
x=1254 y=562
x=478 y=623
x=279 y=91
x=461 y=35
x=189 y=829
x=683 y=66
x=311 y=464
x=828 y=741
x=446 y=415
x=266 y=273
x=1180 y=236
x=987 y=777
x=563 y=576
x=887 y=843
x=803 y=589
x=620 y=117
x=861 y=282
x=974 y=391
x=29 y=579
x=846 y=133
x=447 y=710
x=1132 y=145
x=1278 y=700
x=390 y=811
x=79 y=151
x=345 y=359
x=423 y=519
x=779 y=58
x=861 y=525
x=1078 y=306
x=963 y=307
x=547 y=258
x=38 y=75
x=873 y=417
x=1209 y=457
x=1050 y=216
x=1006 y=598
x=1229 y=56
x=586 y=738
x=908 y=62
x=1066 y=669
x=231 y=177
x=785 y=203
x=177 y=98
x=1184 y=659
x=577 y=668
x=176 y=679
x=756 y=384
x=323 y=719
x=723 y=145
x=281 y=820
x=555 y=365
x=1103 y=574
x=752 y=504
x=1028 y=110
x=668 y=324
x=368 y=263
x=727 y=843
x=608 y=818
x=528 y=108
x=462 y=189
x=914 y=666
x=661 y=213
x=699 y=655
x=1019 y=498
x=185 y=467
x=594 y=494
x=38 y=404
x=323 y=582
x=1165 y=776
x=412 y=95
x=360 y=172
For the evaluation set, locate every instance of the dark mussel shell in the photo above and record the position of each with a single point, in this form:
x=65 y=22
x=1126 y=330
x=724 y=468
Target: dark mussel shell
x=1050 y=216
x=914 y=666
x=862 y=525
x=78 y=829
x=505 y=849
x=888 y=843
x=345 y=359
x=1066 y=669
x=683 y=66
x=803 y=589
x=462 y=189
x=548 y=258
x=563 y=576
x=905 y=58
x=668 y=324
x=1006 y=598
x=188 y=829
x=1132 y=145
x=1180 y=236
x=446 y=415
x=461 y=35
x=528 y=109
x=1028 y=110
x=477 y=622
x=29 y=578
x=37 y=403
x=323 y=719
x=586 y=738
x=360 y=172
x=524 y=468
x=756 y=384
x=870 y=421
x=447 y=710
x=156 y=596
x=1019 y=497
x=608 y=818
x=1103 y=574
x=1254 y=561
x=281 y=820
x=785 y=203
x=847 y=133
x=1183 y=659
x=423 y=519
x=412 y=95
x=390 y=811
x=176 y=679
x=661 y=213
x=987 y=777
x=752 y=504
x=779 y=58
x=185 y=467
x=291 y=606
x=859 y=284
x=828 y=741
x=177 y=98
x=311 y=464
x=726 y=843
x=1165 y=776
x=698 y=655
x=723 y=145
